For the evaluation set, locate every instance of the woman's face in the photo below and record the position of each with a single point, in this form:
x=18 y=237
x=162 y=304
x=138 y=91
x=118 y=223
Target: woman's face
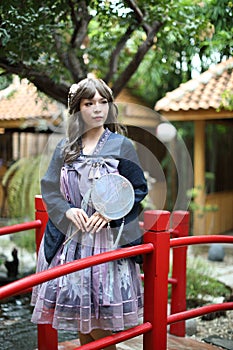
x=94 y=111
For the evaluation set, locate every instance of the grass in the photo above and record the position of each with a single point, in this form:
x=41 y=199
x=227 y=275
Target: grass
x=202 y=286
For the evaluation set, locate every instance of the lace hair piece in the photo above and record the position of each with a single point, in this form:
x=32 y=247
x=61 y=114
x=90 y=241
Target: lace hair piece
x=73 y=89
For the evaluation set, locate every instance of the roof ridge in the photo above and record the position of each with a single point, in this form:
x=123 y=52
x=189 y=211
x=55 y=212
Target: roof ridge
x=182 y=98
x=217 y=69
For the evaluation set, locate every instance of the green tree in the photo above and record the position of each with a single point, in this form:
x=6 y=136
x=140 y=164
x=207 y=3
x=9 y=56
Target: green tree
x=54 y=43
x=194 y=38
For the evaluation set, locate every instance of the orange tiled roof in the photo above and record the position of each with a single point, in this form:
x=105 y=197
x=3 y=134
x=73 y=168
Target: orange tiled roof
x=21 y=101
x=203 y=92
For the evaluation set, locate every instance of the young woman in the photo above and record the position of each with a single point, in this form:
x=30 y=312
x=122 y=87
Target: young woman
x=108 y=297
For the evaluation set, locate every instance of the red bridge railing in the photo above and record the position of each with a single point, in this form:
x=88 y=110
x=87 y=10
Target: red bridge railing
x=156 y=251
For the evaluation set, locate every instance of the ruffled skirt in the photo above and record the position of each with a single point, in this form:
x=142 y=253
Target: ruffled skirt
x=107 y=296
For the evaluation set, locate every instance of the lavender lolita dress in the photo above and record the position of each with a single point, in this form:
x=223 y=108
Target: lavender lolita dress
x=107 y=296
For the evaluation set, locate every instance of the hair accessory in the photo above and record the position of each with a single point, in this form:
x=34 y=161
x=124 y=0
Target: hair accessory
x=72 y=91
x=74 y=88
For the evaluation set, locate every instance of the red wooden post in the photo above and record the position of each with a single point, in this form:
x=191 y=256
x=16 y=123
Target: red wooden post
x=42 y=215
x=156 y=268
x=180 y=223
x=46 y=335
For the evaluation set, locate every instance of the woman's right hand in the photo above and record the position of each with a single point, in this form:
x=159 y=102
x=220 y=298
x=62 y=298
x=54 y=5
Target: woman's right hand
x=78 y=217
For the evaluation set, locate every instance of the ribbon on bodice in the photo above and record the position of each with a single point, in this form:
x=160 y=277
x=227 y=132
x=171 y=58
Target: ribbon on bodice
x=77 y=178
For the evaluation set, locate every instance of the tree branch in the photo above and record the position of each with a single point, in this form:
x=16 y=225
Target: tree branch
x=42 y=81
x=76 y=66
x=69 y=59
x=80 y=19
x=113 y=63
x=136 y=60
x=73 y=62
x=138 y=14
x=62 y=55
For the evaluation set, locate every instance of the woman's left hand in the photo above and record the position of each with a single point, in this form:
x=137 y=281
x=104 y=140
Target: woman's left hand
x=96 y=222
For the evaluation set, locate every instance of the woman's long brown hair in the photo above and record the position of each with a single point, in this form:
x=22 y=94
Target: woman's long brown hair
x=86 y=88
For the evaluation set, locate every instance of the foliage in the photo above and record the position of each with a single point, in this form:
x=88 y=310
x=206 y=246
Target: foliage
x=192 y=194
x=175 y=56
x=226 y=101
x=26 y=240
x=5 y=81
x=202 y=286
x=55 y=43
x=22 y=181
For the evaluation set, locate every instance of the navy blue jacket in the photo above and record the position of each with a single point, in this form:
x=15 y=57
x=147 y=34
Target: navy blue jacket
x=118 y=147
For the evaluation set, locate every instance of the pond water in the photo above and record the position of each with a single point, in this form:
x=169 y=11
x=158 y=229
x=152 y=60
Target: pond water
x=16 y=330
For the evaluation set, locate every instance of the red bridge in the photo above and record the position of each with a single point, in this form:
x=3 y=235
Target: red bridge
x=162 y=231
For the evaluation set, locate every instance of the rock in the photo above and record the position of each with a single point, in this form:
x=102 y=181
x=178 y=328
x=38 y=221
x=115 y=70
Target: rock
x=191 y=327
x=216 y=252
x=213 y=315
x=222 y=342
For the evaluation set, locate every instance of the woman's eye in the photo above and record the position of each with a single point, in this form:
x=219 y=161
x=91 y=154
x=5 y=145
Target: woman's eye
x=90 y=103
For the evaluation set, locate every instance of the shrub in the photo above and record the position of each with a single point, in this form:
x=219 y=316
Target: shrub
x=202 y=286
x=22 y=181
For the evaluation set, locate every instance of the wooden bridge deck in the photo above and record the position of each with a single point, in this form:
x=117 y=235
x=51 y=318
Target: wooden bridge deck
x=174 y=343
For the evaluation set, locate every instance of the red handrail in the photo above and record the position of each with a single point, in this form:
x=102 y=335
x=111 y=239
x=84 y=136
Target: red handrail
x=20 y=227
x=16 y=287
x=199 y=311
x=156 y=247
x=117 y=338
x=178 y=242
